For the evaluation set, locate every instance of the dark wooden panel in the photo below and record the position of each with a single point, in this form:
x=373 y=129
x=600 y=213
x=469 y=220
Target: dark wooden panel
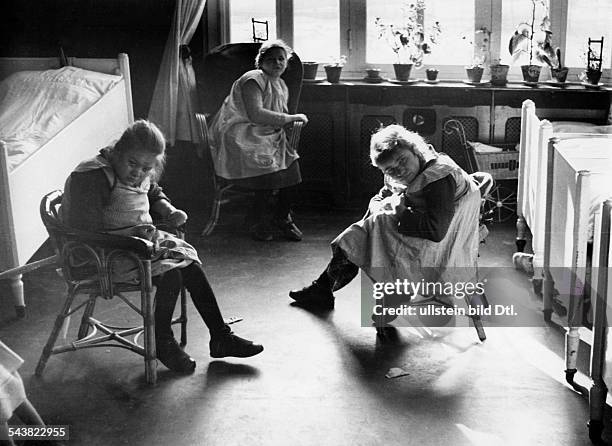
x=578 y=98
x=369 y=179
x=512 y=133
x=316 y=150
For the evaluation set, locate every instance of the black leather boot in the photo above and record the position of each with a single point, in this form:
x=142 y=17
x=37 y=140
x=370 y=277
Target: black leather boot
x=172 y=355
x=228 y=344
x=314 y=295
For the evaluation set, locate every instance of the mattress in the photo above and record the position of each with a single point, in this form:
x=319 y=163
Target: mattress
x=594 y=156
x=580 y=127
x=37 y=105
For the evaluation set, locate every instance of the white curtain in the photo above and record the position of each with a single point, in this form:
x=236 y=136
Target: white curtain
x=175 y=96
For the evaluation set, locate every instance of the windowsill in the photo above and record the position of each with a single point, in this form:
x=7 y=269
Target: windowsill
x=445 y=83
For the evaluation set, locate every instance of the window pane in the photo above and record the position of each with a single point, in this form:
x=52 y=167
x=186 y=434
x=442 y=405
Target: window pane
x=241 y=13
x=456 y=19
x=316 y=26
x=592 y=19
x=517 y=17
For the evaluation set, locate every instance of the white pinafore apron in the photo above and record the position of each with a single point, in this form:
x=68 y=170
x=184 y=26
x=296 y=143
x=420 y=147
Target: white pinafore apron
x=375 y=245
x=128 y=207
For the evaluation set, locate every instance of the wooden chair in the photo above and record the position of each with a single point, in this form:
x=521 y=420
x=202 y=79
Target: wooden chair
x=86 y=260
x=484 y=182
x=218 y=71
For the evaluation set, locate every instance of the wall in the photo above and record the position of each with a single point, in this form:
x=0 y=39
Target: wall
x=92 y=28
x=342 y=117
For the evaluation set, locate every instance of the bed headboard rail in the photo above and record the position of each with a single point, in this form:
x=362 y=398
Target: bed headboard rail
x=108 y=66
x=118 y=66
x=9 y=65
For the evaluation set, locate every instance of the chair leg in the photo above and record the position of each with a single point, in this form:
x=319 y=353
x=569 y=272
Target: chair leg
x=547 y=295
x=479 y=328
x=87 y=313
x=17 y=290
x=214 y=214
x=521 y=230
x=183 y=317
x=148 y=314
x=474 y=302
x=59 y=323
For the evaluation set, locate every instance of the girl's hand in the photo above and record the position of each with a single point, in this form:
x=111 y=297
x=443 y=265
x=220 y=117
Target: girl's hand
x=144 y=231
x=300 y=117
x=177 y=218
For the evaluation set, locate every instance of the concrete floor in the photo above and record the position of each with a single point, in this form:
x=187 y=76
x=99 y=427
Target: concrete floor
x=321 y=379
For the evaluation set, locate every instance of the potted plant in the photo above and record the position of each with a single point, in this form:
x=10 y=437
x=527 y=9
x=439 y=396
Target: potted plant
x=475 y=71
x=499 y=73
x=310 y=70
x=557 y=70
x=546 y=55
x=408 y=39
x=479 y=44
x=432 y=74
x=593 y=70
x=523 y=42
x=334 y=69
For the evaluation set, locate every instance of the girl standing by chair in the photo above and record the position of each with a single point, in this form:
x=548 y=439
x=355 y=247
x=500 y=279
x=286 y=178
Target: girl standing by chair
x=115 y=192
x=249 y=144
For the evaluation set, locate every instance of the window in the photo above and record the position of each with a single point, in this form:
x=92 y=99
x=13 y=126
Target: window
x=455 y=19
x=588 y=20
x=242 y=11
x=324 y=29
x=316 y=25
x=516 y=20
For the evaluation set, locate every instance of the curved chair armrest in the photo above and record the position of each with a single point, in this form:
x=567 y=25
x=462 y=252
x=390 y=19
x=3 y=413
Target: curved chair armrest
x=484 y=181
x=202 y=121
x=141 y=247
x=294 y=133
x=294 y=137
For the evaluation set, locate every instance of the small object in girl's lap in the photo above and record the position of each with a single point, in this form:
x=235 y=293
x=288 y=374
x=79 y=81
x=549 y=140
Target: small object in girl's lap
x=396 y=372
x=233 y=320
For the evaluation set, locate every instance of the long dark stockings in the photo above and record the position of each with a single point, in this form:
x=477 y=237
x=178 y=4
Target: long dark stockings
x=202 y=295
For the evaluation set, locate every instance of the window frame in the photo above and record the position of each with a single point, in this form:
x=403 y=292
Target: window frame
x=353 y=35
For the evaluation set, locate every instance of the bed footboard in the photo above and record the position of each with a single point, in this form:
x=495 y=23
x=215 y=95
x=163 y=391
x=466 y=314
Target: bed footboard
x=8 y=253
x=21 y=230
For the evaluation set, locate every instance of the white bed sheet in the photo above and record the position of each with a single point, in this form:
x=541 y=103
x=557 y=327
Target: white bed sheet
x=580 y=127
x=594 y=156
x=36 y=105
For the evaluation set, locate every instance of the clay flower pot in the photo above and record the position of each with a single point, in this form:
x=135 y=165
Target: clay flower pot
x=402 y=71
x=373 y=73
x=432 y=74
x=593 y=76
x=559 y=74
x=310 y=70
x=333 y=73
x=499 y=74
x=474 y=74
x=531 y=73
